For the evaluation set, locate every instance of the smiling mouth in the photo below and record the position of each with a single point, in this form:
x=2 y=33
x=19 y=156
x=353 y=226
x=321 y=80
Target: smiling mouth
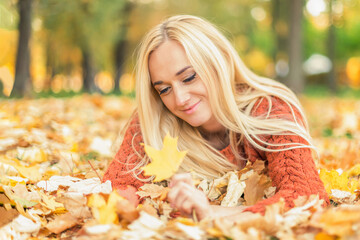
x=192 y=108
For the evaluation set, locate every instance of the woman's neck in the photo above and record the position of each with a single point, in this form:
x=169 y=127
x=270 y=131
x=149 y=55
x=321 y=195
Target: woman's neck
x=219 y=139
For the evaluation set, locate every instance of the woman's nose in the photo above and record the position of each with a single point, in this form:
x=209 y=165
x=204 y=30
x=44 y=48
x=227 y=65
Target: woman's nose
x=181 y=95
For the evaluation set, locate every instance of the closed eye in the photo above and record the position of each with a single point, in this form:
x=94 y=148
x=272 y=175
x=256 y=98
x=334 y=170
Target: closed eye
x=189 y=79
x=163 y=91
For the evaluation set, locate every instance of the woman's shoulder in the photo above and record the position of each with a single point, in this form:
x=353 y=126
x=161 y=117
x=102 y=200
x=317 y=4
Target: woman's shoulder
x=274 y=107
x=132 y=130
x=133 y=123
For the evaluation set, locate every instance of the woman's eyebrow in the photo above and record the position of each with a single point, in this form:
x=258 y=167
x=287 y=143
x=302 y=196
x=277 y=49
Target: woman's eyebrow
x=157 y=83
x=177 y=74
x=182 y=70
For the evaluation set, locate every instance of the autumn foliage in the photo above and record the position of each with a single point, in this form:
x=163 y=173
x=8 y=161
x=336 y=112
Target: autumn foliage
x=53 y=153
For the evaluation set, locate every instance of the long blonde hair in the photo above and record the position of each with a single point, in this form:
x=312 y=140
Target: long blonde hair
x=220 y=68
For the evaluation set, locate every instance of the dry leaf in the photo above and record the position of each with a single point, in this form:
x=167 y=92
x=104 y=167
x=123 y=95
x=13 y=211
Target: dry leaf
x=67 y=133
x=145 y=227
x=234 y=191
x=50 y=202
x=333 y=180
x=61 y=223
x=151 y=190
x=129 y=193
x=255 y=188
x=6 y=215
x=340 y=221
x=192 y=232
x=75 y=203
x=126 y=211
x=32 y=173
x=105 y=211
x=31 y=155
x=165 y=162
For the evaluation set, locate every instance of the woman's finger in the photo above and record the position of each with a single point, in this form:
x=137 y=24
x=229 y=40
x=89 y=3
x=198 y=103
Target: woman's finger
x=178 y=194
x=187 y=206
x=181 y=177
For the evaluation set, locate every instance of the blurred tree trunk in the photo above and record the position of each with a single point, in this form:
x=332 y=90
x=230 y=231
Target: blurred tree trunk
x=120 y=53
x=296 y=80
x=331 y=44
x=121 y=46
x=89 y=73
x=280 y=12
x=50 y=65
x=22 y=83
x=1 y=88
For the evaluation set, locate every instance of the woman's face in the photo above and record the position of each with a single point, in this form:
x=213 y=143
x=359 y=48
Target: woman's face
x=179 y=87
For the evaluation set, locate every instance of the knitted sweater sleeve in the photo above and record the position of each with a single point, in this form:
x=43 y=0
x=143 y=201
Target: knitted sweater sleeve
x=292 y=172
x=128 y=156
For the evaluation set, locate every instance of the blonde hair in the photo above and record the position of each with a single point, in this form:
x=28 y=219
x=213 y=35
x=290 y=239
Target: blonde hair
x=220 y=68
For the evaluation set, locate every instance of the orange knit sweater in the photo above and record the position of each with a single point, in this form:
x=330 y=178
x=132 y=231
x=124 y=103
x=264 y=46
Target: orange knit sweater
x=292 y=172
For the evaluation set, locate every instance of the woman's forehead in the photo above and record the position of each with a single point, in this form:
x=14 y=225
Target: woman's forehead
x=168 y=60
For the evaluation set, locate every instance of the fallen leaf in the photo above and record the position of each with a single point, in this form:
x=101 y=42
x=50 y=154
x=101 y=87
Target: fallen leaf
x=49 y=202
x=333 y=180
x=340 y=221
x=31 y=172
x=234 y=191
x=61 y=223
x=31 y=155
x=151 y=190
x=192 y=232
x=255 y=188
x=6 y=215
x=324 y=236
x=145 y=227
x=102 y=146
x=127 y=211
x=98 y=229
x=129 y=193
x=165 y=162
x=17 y=197
x=75 y=203
x=105 y=211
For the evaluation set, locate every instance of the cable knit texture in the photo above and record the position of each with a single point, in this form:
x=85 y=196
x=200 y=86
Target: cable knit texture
x=292 y=172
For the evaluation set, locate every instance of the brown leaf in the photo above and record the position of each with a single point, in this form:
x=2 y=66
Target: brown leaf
x=61 y=223
x=7 y=215
x=129 y=193
x=76 y=205
x=255 y=187
x=258 y=166
x=340 y=221
x=151 y=190
x=149 y=208
x=126 y=211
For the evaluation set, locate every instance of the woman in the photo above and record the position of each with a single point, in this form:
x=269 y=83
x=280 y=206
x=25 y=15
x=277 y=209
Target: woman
x=191 y=83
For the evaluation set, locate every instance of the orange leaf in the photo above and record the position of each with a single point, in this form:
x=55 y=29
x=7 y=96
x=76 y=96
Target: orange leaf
x=129 y=193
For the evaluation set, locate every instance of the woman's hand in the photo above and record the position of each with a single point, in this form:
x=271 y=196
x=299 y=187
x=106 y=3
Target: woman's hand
x=183 y=195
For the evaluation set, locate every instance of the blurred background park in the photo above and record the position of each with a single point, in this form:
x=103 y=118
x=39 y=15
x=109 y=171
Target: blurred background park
x=68 y=47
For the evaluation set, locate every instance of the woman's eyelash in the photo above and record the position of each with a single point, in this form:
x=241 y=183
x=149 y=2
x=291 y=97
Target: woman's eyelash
x=190 y=78
x=164 y=90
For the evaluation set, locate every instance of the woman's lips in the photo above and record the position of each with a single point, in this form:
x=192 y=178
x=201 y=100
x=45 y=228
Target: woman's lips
x=192 y=108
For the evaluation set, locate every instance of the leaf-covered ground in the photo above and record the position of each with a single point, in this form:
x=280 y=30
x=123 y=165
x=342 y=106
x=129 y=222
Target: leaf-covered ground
x=53 y=153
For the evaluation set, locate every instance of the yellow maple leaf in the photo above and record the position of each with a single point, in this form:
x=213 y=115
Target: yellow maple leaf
x=354 y=171
x=104 y=212
x=165 y=162
x=333 y=180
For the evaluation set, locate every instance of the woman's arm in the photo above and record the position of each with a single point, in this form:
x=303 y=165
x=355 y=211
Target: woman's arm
x=189 y=200
x=292 y=172
x=127 y=157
